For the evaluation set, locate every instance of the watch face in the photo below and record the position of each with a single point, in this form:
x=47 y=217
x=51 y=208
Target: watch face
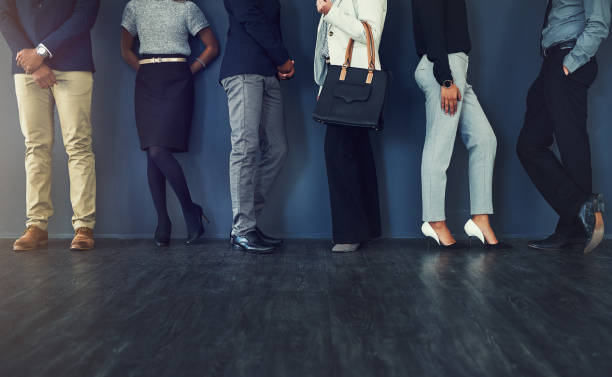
x=41 y=51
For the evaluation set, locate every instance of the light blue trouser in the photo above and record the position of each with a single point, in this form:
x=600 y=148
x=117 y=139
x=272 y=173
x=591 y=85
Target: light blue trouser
x=476 y=133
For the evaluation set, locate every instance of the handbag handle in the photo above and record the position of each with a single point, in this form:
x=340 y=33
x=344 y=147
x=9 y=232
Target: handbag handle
x=371 y=54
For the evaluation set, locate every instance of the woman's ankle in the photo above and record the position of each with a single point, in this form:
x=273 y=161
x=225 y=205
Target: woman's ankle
x=444 y=234
x=483 y=222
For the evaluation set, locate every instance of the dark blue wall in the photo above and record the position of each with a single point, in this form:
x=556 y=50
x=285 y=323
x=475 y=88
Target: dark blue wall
x=505 y=60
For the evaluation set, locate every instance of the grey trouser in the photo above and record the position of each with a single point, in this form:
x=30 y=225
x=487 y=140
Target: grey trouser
x=476 y=133
x=259 y=144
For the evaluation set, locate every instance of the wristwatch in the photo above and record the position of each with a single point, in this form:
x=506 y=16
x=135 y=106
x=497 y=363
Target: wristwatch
x=41 y=50
x=448 y=83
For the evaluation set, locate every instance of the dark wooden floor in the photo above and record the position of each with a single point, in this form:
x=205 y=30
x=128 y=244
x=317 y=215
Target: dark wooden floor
x=394 y=309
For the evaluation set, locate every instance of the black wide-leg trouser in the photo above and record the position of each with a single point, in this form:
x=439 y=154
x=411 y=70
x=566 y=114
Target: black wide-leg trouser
x=353 y=188
x=557 y=111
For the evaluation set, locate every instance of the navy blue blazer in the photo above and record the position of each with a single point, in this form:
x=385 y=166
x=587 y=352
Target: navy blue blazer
x=63 y=26
x=254 y=40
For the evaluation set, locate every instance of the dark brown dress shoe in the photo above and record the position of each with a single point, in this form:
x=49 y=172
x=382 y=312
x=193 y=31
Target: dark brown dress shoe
x=33 y=238
x=83 y=240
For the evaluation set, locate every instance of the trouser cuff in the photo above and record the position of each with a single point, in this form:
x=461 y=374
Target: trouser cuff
x=84 y=224
x=433 y=219
x=483 y=211
x=242 y=232
x=38 y=223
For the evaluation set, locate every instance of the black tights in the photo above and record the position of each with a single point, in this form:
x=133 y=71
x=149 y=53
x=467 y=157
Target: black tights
x=162 y=166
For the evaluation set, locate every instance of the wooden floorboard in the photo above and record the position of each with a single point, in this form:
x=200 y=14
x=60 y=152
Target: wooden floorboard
x=392 y=309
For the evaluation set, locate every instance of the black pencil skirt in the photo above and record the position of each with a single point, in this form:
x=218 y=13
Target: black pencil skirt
x=164 y=104
x=353 y=187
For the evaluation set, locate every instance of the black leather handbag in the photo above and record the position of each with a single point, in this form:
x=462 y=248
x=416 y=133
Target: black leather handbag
x=354 y=96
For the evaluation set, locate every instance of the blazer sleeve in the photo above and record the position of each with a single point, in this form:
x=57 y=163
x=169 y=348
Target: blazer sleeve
x=371 y=11
x=248 y=13
x=431 y=16
x=11 y=27
x=82 y=20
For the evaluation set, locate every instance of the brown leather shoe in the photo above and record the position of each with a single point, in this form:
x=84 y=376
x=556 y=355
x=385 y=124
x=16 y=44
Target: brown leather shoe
x=33 y=238
x=83 y=240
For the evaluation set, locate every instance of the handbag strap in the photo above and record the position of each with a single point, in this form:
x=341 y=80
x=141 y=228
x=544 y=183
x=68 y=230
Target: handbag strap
x=371 y=54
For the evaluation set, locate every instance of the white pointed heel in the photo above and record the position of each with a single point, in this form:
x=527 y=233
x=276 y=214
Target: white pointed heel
x=430 y=233
x=473 y=231
x=433 y=238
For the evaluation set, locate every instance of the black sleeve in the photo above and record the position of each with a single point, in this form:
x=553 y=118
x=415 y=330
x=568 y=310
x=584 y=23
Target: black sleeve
x=11 y=28
x=82 y=19
x=431 y=16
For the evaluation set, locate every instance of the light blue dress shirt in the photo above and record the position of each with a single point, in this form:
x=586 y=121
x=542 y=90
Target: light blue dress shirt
x=586 y=21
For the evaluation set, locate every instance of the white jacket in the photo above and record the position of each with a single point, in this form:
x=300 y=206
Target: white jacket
x=345 y=19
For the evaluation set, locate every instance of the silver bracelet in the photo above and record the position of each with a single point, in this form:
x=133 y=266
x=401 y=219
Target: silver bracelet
x=201 y=62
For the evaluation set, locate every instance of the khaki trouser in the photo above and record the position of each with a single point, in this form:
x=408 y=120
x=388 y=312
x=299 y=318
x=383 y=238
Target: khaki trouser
x=72 y=95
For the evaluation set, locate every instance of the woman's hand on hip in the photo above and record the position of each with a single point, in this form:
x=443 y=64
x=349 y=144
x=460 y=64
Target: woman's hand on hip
x=324 y=6
x=450 y=98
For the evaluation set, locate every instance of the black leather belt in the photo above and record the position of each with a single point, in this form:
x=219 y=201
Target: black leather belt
x=567 y=45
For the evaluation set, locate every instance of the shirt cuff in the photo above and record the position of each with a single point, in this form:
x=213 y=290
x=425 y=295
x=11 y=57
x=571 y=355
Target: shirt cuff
x=572 y=63
x=48 y=51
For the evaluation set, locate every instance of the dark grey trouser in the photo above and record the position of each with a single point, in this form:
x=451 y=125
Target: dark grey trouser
x=259 y=144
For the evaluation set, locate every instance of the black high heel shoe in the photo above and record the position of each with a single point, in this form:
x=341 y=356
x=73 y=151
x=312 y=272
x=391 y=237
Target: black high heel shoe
x=432 y=243
x=195 y=235
x=432 y=238
x=162 y=239
x=474 y=232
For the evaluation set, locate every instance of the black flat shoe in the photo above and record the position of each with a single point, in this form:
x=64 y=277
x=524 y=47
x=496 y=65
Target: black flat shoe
x=267 y=240
x=591 y=217
x=251 y=243
x=162 y=239
x=196 y=234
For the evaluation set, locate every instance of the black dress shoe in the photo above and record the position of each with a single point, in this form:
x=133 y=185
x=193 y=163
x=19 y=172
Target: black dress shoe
x=251 y=243
x=267 y=240
x=591 y=217
x=555 y=242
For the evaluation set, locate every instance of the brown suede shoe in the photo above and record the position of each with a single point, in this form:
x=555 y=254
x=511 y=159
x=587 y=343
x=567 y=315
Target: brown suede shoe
x=83 y=240
x=33 y=238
